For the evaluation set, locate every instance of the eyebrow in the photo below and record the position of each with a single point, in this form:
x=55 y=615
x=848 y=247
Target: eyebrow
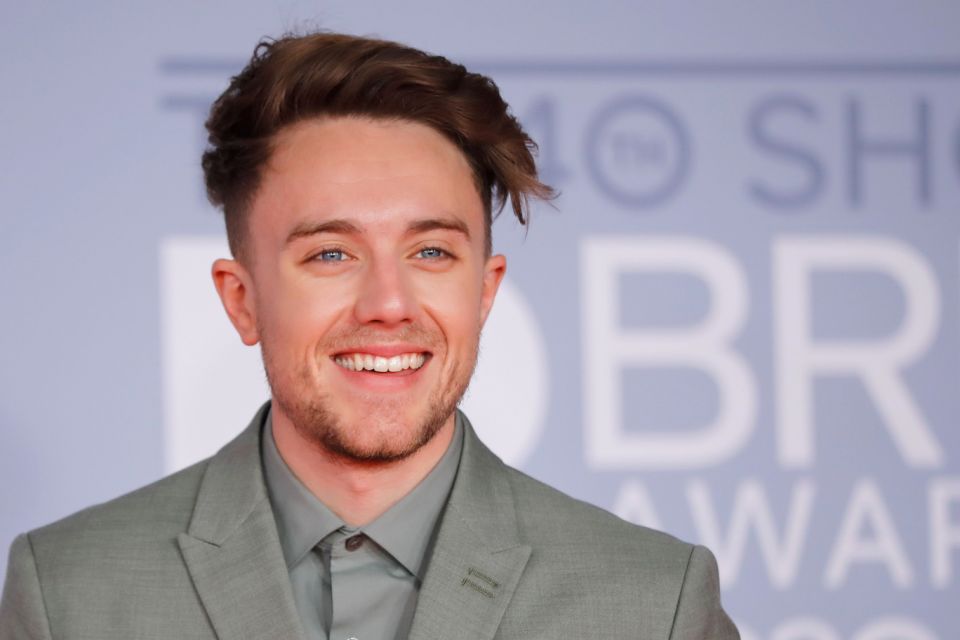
x=442 y=224
x=345 y=227
x=307 y=229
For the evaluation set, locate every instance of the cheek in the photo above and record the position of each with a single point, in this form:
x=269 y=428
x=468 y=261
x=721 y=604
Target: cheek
x=454 y=305
x=299 y=312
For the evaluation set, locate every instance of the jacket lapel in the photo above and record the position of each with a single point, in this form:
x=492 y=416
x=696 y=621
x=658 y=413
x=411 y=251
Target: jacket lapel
x=232 y=550
x=477 y=557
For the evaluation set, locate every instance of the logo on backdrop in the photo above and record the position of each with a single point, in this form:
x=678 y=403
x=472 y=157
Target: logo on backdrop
x=637 y=151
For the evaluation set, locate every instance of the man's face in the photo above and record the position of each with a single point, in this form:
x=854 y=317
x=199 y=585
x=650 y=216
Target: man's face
x=366 y=240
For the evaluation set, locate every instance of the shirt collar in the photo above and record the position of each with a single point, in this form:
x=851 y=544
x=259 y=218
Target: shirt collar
x=405 y=530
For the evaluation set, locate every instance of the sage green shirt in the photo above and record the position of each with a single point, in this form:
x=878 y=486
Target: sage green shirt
x=356 y=583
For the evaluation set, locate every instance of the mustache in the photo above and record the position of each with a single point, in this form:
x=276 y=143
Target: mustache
x=362 y=336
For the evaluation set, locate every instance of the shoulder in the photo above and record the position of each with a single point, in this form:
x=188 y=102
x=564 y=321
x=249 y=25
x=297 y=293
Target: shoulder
x=577 y=546
x=550 y=516
x=562 y=530
x=162 y=509
x=120 y=559
x=588 y=562
x=158 y=511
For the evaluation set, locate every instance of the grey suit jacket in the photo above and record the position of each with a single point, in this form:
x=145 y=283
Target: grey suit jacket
x=196 y=555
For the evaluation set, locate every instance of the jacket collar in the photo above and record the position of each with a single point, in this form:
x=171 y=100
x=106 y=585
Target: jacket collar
x=478 y=556
x=233 y=553
x=232 y=549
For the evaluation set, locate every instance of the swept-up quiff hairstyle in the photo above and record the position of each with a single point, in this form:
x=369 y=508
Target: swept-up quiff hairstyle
x=328 y=74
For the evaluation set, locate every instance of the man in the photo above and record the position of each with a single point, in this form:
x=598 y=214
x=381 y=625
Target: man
x=358 y=180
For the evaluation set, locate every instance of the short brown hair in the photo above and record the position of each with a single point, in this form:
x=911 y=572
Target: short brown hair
x=329 y=74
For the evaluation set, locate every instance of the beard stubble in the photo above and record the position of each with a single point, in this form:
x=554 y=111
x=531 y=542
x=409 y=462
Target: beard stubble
x=307 y=406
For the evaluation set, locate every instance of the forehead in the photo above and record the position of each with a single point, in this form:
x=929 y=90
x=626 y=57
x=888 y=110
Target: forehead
x=380 y=173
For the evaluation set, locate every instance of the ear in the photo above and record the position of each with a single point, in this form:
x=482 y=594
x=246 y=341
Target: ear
x=493 y=272
x=235 y=288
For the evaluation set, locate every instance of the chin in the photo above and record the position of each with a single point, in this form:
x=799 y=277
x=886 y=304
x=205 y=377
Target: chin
x=368 y=437
x=365 y=427
x=387 y=443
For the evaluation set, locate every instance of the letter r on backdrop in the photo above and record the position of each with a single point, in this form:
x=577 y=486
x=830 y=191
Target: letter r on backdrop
x=878 y=363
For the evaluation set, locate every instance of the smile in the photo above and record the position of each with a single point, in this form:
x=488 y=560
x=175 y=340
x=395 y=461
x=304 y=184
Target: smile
x=380 y=364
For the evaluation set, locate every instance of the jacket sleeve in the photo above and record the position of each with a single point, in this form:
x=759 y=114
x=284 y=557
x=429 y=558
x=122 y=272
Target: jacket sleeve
x=23 y=615
x=699 y=614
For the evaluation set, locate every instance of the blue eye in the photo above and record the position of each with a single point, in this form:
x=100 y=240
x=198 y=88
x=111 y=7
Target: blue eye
x=331 y=255
x=432 y=253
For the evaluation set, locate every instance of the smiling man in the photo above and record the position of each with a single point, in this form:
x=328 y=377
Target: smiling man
x=365 y=279
x=358 y=180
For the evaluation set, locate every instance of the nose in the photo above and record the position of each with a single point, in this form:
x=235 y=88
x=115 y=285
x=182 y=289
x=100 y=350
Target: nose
x=385 y=295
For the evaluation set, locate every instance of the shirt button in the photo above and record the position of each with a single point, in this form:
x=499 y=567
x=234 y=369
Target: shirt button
x=355 y=542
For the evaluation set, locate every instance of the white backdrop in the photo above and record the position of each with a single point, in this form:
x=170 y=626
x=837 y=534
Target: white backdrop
x=738 y=324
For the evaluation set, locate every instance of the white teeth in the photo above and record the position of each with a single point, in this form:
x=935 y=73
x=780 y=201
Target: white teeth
x=380 y=364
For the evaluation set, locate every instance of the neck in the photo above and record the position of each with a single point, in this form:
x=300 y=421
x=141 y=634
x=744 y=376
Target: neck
x=358 y=492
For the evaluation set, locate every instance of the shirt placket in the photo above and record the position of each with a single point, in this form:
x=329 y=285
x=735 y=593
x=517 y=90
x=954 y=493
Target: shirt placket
x=352 y=565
